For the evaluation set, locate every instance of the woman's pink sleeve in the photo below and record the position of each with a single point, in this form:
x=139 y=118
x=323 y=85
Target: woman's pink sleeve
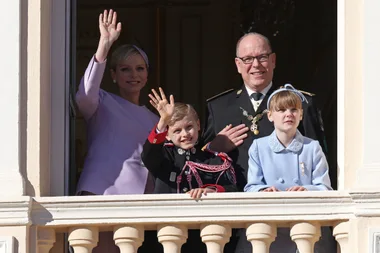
x=87 y=97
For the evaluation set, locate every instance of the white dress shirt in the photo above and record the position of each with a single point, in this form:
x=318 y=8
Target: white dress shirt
x=257 y=103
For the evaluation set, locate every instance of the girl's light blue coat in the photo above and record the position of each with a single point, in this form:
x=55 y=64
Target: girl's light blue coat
x=302 y=163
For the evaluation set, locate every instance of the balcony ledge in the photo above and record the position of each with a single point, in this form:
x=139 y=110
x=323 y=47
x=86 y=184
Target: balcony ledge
x=236 y=209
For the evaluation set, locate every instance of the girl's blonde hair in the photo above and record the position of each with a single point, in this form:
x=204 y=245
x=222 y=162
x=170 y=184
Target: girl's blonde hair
x=182 y=110
x=285 y=99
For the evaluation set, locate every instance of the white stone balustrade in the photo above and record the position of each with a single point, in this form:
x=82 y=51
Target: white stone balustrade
x=83 y=239
x=340 y=232
x=261 y=235
x=305 y=235
x=172 y=237
x=128 y=238
x=215 y=215
x=215 y=236
x=45 y=239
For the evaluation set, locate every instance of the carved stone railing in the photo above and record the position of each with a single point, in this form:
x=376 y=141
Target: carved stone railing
x=215 y=215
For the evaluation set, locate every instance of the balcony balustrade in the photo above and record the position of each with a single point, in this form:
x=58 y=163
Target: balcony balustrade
x=171 y=215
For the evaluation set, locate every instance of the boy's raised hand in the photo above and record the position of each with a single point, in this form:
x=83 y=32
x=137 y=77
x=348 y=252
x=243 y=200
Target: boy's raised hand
x=164 y=107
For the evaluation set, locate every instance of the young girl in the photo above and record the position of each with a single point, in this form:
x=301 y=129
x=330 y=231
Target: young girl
x=287 y=161
x=172 y=155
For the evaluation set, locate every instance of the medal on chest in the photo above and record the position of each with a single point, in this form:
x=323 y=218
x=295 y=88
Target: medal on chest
x=186 y=152
x=254 y=120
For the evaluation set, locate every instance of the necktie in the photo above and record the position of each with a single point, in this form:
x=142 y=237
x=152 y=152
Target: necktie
x=256 y=96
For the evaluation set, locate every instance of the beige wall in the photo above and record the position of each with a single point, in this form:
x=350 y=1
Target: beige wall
x=350 y=127
x=21 y=237
x=38 y=99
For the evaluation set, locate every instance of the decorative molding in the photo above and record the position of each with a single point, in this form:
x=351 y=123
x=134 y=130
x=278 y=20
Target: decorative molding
x=367 y=203
x=234 y=208
x=7 y=244
x=15 y=211
x=374 y=240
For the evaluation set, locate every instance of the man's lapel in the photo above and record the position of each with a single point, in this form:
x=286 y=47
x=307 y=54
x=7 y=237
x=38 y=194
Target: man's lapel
x=244 y=101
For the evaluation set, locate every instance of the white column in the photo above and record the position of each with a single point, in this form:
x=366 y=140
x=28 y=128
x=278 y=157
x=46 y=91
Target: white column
x=261 y=236
x=128 y=238
x=45 y=239
x=369 y=169
x=172 y=237
x=215 y=236
x=13 y=128
x=83 y=239
x=305 y=235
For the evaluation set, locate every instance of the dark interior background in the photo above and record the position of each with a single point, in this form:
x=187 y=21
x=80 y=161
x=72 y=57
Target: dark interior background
x=191 y=47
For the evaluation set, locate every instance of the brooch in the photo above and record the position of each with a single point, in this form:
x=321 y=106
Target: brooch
x=254 y=120
x=302 y=168
x=187 y=152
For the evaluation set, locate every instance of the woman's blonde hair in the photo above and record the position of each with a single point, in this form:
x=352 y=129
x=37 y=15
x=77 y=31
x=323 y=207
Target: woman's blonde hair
x=285 y=99
x=182 y=110
x=124 y=51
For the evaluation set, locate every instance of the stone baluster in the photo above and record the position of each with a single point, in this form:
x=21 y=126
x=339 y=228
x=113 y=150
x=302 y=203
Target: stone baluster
x=172 y=237
x=128 y=238
x=83 y=239
x=305 y=235
x=341 y=235
x=45 y=239
x=215 y=236
x=261 y=235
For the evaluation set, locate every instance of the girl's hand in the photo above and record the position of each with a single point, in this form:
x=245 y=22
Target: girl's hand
x=108 y=26
x=198 y=192
x=163 y=107
x=296 y=189
x=270 y=189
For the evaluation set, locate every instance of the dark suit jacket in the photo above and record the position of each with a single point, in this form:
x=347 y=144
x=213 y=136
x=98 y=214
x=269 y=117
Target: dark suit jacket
x=225 y=109
x=165 y=163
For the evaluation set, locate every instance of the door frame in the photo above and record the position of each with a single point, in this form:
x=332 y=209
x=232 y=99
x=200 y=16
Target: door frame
x=61 y=72
x=62 y=84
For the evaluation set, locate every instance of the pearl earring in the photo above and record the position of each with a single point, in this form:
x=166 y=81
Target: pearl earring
x=114 y=81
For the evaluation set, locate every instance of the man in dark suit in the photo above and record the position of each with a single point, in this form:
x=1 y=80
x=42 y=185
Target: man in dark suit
x=236 y=117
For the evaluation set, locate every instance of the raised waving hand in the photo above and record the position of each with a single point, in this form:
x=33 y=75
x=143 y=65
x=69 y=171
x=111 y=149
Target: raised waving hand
x=109 y=32
x=164 y=107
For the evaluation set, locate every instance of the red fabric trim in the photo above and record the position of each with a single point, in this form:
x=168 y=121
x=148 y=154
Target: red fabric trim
x=157 y=138
x=218 y=188
x=206 y=147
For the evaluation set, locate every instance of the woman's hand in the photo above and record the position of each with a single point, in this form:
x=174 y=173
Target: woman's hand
x=270 y=189
x=109 y=32
x=108 y=26
x=198 y=192
x=163 y=107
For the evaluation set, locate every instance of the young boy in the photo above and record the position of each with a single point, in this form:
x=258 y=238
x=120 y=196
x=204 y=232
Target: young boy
x=171 y=153
x=287 y=161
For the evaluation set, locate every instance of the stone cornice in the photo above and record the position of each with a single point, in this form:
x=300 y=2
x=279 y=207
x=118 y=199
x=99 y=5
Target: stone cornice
x=15 y=211
x=234 y=208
